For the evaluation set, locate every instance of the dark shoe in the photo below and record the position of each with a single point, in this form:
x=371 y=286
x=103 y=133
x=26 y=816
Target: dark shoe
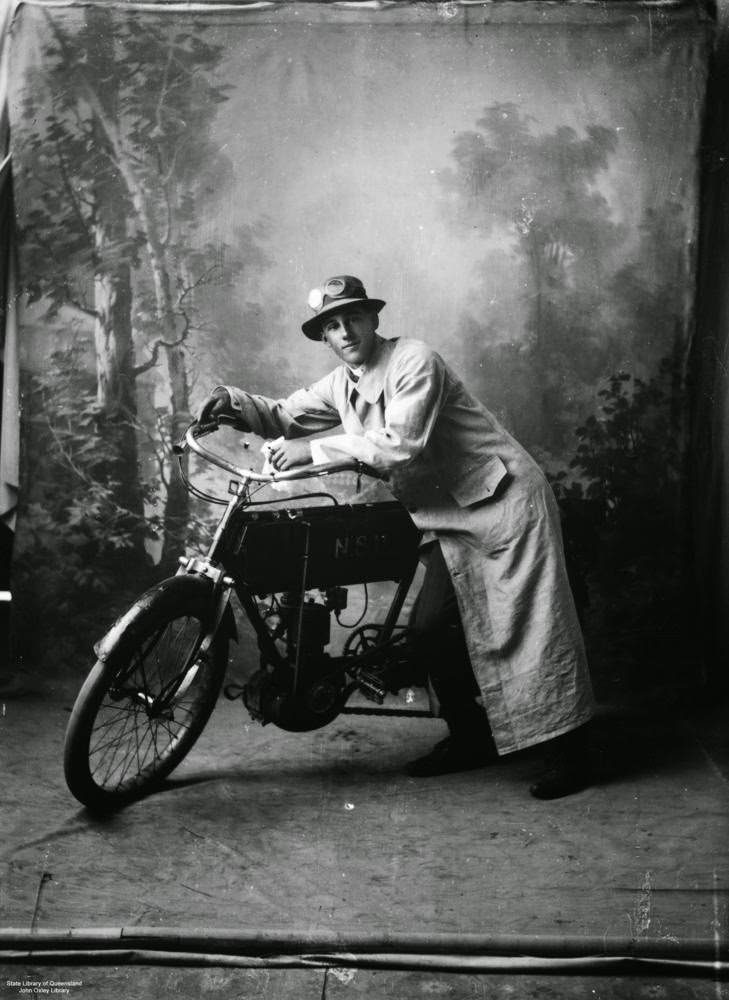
x=566 y=770
x=558 y=781
x=450 y=756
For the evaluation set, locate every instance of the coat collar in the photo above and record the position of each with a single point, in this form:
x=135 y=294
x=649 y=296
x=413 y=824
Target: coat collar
x=371 y=382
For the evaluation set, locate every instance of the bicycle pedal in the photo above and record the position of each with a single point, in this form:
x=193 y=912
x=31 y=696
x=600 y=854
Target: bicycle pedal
x=371 y=687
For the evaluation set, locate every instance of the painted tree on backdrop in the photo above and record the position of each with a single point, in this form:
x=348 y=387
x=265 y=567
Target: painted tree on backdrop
x=539 y=191
x=116 y=168
x=119 y=168
x=596 y=297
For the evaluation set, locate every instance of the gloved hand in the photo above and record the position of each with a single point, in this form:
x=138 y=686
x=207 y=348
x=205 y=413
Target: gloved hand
x=218 y=404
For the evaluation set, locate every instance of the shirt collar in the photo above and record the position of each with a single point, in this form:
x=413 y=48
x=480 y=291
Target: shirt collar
x=372 y=375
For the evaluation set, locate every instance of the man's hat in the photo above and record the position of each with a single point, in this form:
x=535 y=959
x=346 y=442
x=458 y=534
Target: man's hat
x=335 y=294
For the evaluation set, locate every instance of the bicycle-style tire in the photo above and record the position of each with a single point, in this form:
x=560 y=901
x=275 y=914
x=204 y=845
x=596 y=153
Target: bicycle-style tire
x=117 y=748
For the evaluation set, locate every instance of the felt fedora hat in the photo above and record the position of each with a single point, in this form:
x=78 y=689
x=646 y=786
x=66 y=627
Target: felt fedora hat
x=335 y=294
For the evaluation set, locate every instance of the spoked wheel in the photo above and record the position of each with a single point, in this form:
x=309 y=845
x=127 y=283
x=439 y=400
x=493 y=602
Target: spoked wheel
x=139 y=712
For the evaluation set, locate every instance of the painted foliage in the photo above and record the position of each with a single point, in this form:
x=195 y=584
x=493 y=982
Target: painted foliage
x=521 y=189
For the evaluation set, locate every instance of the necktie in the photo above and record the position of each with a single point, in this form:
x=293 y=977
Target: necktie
x=360 y=405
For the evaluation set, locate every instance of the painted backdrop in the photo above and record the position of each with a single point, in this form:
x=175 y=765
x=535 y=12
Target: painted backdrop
x=518 y=182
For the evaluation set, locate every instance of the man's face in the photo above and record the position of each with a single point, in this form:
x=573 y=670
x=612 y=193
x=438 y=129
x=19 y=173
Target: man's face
x=351 y=334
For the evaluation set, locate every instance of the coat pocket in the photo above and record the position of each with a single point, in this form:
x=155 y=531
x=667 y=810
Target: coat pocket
x=479 y=483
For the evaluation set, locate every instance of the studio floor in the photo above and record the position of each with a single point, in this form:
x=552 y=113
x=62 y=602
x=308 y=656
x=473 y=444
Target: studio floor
x=323 y=833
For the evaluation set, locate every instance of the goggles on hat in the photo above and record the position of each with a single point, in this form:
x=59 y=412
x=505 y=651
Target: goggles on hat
x=333 y=289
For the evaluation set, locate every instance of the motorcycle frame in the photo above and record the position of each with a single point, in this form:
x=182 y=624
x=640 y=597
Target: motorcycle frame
x=223 y=583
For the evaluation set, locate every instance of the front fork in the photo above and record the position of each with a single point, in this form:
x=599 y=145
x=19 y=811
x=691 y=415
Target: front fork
x=222 y=586
x=204 y=566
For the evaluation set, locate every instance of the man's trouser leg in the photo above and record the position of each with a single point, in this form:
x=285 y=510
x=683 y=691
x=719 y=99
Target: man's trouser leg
x=440 y=644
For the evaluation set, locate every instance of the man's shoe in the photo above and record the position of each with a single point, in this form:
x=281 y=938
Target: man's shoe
x=559 y=780
x=567 y=769
x=450 y=756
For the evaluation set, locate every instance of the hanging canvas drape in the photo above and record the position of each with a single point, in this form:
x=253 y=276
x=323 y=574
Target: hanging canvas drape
x=519 y=182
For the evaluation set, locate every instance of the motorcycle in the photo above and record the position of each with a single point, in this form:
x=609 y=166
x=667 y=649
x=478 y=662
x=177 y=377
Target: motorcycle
x=160 y=667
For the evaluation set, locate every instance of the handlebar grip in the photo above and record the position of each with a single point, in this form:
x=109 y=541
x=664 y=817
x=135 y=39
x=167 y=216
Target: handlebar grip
x=223 y=419
x=198 y=430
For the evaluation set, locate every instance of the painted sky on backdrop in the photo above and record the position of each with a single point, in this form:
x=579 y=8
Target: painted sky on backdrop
x=338 y=135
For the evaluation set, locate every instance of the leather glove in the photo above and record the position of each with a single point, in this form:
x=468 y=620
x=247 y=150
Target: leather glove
x=218 y=404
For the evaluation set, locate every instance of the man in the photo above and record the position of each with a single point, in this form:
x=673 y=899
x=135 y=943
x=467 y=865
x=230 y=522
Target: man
x=495 y=621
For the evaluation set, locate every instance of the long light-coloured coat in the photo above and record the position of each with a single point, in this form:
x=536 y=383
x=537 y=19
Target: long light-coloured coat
x=466 y=481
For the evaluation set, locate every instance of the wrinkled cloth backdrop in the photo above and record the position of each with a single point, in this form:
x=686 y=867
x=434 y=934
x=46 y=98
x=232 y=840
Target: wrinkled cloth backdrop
x=520 y=185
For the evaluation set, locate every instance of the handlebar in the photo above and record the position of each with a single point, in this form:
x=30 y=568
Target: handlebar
x=195 y=431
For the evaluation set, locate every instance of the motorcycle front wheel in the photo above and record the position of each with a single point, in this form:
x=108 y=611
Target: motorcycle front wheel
x=141 y=710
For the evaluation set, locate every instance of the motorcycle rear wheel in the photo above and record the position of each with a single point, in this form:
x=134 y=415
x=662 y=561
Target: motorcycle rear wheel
x=141 y=710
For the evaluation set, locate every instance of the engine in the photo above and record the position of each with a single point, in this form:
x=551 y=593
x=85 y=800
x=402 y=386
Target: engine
x=279 y=552
x=313 y=697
